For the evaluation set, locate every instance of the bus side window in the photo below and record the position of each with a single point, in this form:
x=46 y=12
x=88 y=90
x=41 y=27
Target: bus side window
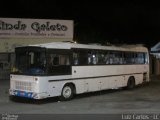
x=56 y=60
x=114 y=58
x=140 y=58
x=111 y=58
x=107 y=59
x=129 y=57
x=59 y=64
x=92 y=58
x=136 y=58
x=83 y=57
x=145 y=58
x=75 y=58
x=64 y=60
x=101 y=58
x=89 y=58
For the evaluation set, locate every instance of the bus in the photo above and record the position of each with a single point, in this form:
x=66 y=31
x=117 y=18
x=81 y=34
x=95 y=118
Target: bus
x=65 y=69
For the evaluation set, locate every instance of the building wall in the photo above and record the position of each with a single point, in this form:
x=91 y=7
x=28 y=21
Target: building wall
x=157 y=67
x=154 y=65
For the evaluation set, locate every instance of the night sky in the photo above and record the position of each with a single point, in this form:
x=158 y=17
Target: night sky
x=123 y=22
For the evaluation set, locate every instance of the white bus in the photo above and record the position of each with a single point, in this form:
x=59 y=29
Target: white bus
x=65 y=69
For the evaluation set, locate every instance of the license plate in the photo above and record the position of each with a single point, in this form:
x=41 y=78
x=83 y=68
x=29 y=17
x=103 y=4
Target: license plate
x=24 y=94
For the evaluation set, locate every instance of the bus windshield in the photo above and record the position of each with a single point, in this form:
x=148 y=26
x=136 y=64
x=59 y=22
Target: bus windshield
x=31 y=61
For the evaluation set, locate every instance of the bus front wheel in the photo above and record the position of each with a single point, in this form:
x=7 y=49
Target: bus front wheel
x=131 y=83
x=67 y=92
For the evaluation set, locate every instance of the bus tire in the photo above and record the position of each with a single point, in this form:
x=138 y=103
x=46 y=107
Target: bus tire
x=131 y=83
x=67 y=92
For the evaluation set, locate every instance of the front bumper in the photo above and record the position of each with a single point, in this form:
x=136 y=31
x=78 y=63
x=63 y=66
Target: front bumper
x=26 y=94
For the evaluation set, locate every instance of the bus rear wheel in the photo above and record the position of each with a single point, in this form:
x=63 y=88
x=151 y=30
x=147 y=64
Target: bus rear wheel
x=131 y=83
x=67 y=92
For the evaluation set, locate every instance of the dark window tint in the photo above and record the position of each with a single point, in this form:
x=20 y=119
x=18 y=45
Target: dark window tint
x=103 y=57
x=58 y=63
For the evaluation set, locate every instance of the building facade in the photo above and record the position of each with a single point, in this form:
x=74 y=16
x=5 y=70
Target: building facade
x=16 y=32
x=155 y=60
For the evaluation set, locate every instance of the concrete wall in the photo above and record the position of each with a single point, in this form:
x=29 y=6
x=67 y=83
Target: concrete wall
x=154 y=65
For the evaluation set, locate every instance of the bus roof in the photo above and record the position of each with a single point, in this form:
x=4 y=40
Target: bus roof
x=67 y=45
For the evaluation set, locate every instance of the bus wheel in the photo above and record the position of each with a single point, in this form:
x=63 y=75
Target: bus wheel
x=67 y=92
x=131 y=83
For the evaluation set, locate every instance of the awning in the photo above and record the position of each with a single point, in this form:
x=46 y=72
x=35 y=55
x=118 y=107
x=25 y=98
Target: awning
x=155 y=50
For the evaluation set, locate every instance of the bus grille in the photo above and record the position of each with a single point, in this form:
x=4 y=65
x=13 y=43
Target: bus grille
x=26 y=86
